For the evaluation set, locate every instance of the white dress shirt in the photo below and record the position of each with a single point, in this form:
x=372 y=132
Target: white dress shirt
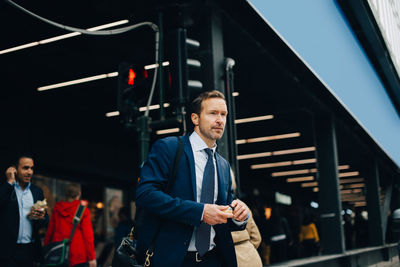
x=25 y=203
x=200 y=160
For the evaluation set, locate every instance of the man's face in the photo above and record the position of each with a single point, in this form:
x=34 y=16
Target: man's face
x=210 y=124
x=25 y=170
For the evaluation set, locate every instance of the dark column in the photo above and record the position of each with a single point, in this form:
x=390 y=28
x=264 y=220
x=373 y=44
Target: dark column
x=385 y=209
x=213 y=58
x=330 y=206
x=375 y=229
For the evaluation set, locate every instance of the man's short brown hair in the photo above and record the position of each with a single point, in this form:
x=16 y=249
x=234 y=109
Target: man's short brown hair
x=196 y=103
x=72 y=190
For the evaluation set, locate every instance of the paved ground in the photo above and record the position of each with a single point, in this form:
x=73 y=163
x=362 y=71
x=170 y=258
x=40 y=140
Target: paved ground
x=393 y=262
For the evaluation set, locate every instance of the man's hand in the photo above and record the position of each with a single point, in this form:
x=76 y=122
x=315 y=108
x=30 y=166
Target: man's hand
x=37 y=214
x=240 y=210
x=11 y=172
x=215 y=214
x=92 y=263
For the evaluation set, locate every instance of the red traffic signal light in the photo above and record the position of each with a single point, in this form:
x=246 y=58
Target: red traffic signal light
x=131 y=77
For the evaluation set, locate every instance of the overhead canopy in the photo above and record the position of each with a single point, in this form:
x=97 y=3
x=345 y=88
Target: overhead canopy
x=72 y=138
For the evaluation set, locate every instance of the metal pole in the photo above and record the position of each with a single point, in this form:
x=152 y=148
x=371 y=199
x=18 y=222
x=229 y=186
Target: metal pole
x=231 y=127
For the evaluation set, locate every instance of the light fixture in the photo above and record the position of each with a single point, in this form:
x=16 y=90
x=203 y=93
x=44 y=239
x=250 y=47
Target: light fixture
x=354 y=186
x=349 y=181
x=253 y=119
x=82 y=80
x=348 y=174
x=360 y=204
x=153 y=66
x=235 y=93
x=168 y=131
x=268 y=138
x=292 y=151
x=315 y=189
x=312 y=184
x=343 y=167
x=348 y=198
x=112 y=114
x=270 y=165
x=300 y=179
x=275 y=153
x=282 y=163
x=141 y=109
x=255 y=155
x=295 y=172
x=61 y=37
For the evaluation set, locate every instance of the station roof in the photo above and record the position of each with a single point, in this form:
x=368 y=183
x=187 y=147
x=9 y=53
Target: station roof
x=73 y=139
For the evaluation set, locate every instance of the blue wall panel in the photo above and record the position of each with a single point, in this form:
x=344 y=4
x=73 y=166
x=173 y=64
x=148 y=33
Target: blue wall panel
x=318 y=31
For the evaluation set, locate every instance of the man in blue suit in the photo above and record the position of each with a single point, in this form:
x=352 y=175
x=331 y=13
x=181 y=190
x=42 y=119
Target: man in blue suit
x=20 y=244
x=194 y=217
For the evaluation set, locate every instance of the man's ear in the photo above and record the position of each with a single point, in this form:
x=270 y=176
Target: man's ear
x=195 y=119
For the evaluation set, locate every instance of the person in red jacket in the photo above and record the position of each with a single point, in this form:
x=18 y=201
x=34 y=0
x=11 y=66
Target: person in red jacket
x=81 y=251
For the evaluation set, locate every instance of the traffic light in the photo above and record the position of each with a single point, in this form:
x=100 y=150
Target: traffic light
x=133 y=80
x=185 y=65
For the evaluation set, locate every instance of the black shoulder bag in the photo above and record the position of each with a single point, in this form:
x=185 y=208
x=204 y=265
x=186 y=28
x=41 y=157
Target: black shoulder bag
x=125 y=254
x=56 y=254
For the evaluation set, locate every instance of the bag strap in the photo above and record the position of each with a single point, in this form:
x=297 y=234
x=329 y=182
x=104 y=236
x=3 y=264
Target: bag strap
x=77 y=218
x=149 y=252
x=172 y=176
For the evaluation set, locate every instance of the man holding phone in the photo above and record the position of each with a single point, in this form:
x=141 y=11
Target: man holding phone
x=20 y=223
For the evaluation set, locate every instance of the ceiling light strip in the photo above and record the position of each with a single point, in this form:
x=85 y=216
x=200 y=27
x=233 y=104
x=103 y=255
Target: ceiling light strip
x=153 y=66
x=18 y=47
x=82 y=80
x=168 y=131
x=275 y=153
x=255 y=155
x=312 y=184
x=253 y=119
x=61 y=37
x=300 y=179
x=292 y=151
x=283 y=163
x=141 y=109
x=348 y=174
x=343 y=167
x=267 y=138
x=349 y=181
x=295 y=172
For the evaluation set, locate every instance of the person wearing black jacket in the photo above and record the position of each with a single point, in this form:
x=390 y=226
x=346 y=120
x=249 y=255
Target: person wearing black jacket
x=20 y=244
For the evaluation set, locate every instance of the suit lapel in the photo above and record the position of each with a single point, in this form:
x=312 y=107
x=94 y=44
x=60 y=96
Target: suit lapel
x=187 y=148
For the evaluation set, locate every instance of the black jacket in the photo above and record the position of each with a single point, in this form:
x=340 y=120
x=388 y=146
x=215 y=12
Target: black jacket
x=9 y=220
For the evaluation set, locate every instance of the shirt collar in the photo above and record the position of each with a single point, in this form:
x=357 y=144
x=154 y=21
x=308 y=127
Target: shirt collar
x=19 y=187
x=198 y=144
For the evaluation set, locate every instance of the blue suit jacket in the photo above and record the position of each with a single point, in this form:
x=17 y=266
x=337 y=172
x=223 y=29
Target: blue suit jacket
x=178 y=212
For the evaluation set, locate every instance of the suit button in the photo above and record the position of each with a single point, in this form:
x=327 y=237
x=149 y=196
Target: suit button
x=185 y=243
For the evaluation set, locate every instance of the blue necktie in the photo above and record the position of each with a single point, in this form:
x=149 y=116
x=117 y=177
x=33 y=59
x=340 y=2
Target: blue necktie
x=203 y=232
